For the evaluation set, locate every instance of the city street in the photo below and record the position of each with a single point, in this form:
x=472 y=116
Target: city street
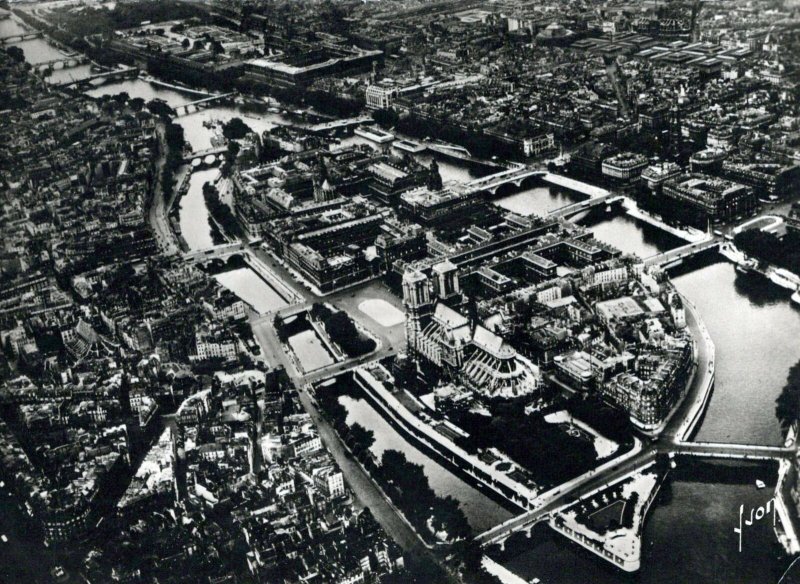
x=158 y=215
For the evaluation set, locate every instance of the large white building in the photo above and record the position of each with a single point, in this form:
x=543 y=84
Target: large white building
x=215 y=343
x=379 y=97
x=330 y=481
x=626 y=166
x=538 y=144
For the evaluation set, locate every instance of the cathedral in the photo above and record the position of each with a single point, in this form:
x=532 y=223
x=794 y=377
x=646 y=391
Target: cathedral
x=462 y=350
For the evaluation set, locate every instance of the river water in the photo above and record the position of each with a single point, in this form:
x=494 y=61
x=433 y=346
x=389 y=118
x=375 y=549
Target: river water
x=40 y=51
x=756 y=329
x=36 y=50
x=193 y=215
x=539 y=200
x=12 y=26
x=145 y=90
x=688 y=536
x=251 y=288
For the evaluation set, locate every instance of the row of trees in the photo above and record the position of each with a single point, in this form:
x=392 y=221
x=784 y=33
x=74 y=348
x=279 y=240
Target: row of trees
x=404 y=481
x=322 y=101
x=92 y=21
x=284 y=329
x=12 y=99
x=220 y=211
x=784 y=253
x=358 y=439
x=342 y=331
x=175 y=140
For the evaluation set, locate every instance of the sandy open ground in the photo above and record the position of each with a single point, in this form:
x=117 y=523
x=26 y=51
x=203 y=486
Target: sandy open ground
x=382 y=312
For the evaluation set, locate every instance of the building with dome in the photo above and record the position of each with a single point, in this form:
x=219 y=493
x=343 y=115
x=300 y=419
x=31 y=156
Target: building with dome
x=555 y=34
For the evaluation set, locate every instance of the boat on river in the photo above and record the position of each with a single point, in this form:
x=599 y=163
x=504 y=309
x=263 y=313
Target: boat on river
x=785 y=279
x=409 y=146
x=374 y=134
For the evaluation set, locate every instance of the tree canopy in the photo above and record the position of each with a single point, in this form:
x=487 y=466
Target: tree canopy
x=787 y=407
x=784 y=253
x=235 y=129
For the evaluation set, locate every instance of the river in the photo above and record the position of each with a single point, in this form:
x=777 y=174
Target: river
x=36 y=50
x=251 y=288
x=40 y=51
x=756 y=330
x=539 y=200
x=197 y=133
x=688 y=536
x=146 y=90
x=193 y=215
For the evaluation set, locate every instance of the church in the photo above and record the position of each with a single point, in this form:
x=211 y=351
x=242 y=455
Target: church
x=460 y=349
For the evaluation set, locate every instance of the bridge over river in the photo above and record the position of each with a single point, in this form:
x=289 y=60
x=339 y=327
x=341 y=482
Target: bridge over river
x=113 y=75
x=65 y=62
x=677 y=255
x=192 y=156
x=549 y=503
x=518 y=173
x=221 y=251
x=730 y=451
x=183 y=109
x=20 y=37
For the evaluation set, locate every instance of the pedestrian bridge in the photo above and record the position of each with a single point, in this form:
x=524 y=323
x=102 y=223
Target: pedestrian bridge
x=731 y=451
